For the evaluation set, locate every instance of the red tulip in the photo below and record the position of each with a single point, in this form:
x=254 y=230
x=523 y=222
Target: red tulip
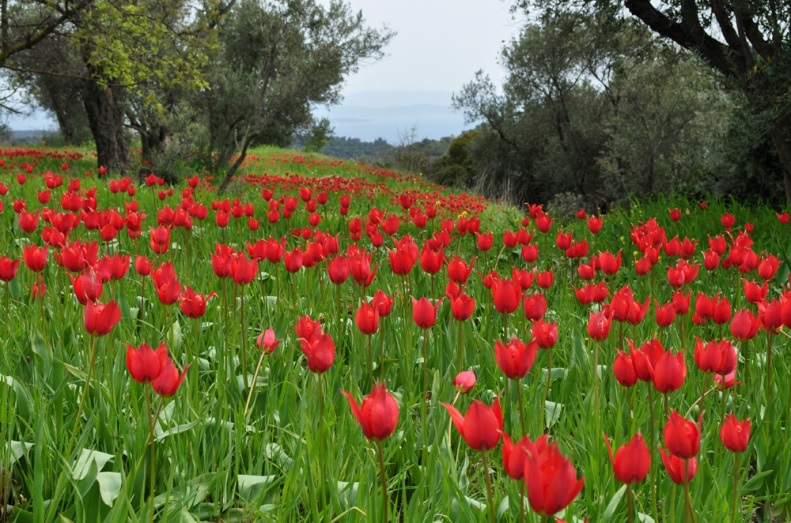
x=266 y=341
x=755 y=293
x=716 y=357
x=595 y=223
x=608 y=263
x=631 y=461
x=382 y=303
x=599 y=325
x=670 y=372
x=35 y=257
x=544 y=279
x=623 y=369
x=464 y=381
x=744 y=325
x=221 y=260
x=550 y=479
x=515 y=357
x=534 y=306
x=338 y=270
x=100 y=319
x=378 y=415
x=481 y=426
x=144 y=363
x=193 y=304
x=169 y=380
x=675 y=214
x=515 y=454
x=423 y=313
x=506 y=295
x=8 y=268
x=545 y=334
x=462 y=307
x=242 y=269
x=646 y=358
x=307 y=329
x=367 y=319
x=87 y=287
x=430 y=261
x=681 y=436
x=320 y=352
x=676 y=469
x=142 y=265
x=665 y=314
x=458 y=271
x=681 y=302
x=735 y=434
x=768 y=267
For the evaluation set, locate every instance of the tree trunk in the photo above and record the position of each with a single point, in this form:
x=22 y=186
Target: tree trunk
x=106 y=121
x=780 y=133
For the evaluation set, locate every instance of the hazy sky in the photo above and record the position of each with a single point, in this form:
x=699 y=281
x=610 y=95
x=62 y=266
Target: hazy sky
x=439 y=46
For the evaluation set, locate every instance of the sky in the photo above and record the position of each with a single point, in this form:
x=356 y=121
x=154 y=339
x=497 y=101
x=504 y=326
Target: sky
x=439 y=46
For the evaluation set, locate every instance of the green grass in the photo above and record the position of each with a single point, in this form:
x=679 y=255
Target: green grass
x=276 y=463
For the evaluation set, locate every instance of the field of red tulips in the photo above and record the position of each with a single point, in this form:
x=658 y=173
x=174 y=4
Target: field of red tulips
x=333 y=342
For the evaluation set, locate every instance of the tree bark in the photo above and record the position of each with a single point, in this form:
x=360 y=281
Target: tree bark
x=106 y=121
x=780 y=133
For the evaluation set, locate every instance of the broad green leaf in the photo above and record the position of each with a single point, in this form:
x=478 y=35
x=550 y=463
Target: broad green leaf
x=88 y=456
x=251 y=486
x=109 y=486
x=612 y=506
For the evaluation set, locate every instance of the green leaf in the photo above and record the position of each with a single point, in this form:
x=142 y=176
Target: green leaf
x=552 y=411
x=87 y=456
x=184 y=427
x=109 y=486
x=18 y=449
x=41 y=350
x=756 y=482
x=503 y=507
x=612 y=506
x=251 y=486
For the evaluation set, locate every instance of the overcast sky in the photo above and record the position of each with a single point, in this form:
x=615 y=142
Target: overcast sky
x=439 y=46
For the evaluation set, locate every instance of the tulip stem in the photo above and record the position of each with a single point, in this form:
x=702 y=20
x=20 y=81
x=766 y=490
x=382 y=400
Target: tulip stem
x=321 y=436
x=244 y=346
x=629 y=503
x=769 y=373
x=385 y=504
x=521 y=406
x=424 y=402
x=489 y=491
x=82 y=397
x=546 y=390
x=687 y=498
x=460 y=351
x=521 y=502
x=255 y=377
x=653 y=452
x=195 y=358
x=152 y=450
x=370 y=358
x=735 y=486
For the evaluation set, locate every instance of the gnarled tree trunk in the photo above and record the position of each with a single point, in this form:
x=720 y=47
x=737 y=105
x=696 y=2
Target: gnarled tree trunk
x=106 y=120
x=780 y=133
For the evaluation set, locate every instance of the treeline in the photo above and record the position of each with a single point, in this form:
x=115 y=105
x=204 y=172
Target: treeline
x=596 y=108
x=197 y=82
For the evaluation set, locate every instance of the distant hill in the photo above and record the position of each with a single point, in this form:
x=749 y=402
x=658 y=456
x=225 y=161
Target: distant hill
x=392 y=114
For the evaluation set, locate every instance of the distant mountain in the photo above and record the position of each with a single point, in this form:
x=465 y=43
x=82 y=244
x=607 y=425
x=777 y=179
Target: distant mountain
x=392 y=115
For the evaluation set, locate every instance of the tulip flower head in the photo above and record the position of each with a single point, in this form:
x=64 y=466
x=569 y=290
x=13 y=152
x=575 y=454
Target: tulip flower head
x=378 y=414
x=464 y=381
x=735 y=434
x=481 y=426
x=101 y=318
x=681 y=436
x=145 y=364
x=266 y=341
x=515 y=357
x=632 y=461
x=550 y=479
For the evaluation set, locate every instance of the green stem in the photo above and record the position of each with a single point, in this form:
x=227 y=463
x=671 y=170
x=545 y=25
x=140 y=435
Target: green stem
x=735 y=486
x=546 y=390
x=370 y=358
x=521 y=406
x=83 y=397
x=385 y=504
x=687 y=498
x=322 y=468
x=255 y=377
x=489 y=491
x=424 y=401
x=152 y=450
x=522 y=502
x=460 y=350
x=769 y=373
x=653 y=451
x=629 y=503
x=244 y=346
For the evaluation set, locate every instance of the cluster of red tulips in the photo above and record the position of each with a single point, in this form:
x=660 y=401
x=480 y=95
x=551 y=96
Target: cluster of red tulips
x=308 y=234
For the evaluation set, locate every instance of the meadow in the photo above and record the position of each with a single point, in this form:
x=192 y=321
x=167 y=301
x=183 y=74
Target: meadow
x=173 y=354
